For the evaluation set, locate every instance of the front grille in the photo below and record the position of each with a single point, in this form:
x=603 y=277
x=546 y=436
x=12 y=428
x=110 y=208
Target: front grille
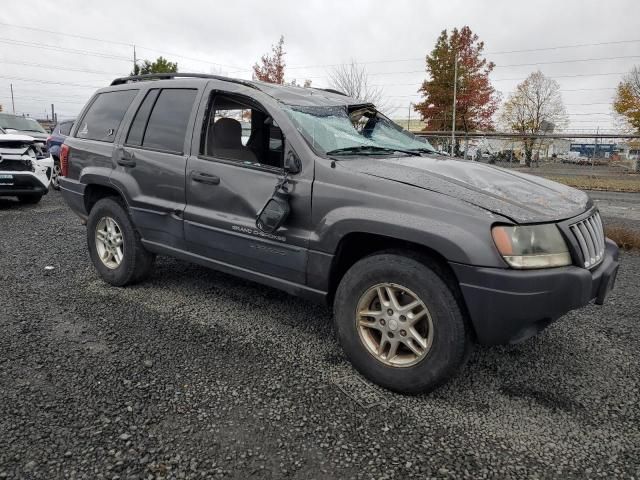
x=16 y=166
x=590 y=237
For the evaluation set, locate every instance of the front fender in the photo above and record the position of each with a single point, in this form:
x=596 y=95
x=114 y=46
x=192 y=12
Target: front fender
x=468 y=242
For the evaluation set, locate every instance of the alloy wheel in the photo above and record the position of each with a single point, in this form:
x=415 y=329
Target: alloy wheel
x=55 y=176
x=394 y=325
x=109 y=242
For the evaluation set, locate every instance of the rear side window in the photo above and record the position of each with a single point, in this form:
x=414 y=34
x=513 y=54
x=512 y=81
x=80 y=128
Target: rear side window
x=103 y=118
x=65 y=128
x=166 y=126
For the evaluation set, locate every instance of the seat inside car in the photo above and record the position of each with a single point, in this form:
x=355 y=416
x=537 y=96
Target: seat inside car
x=224 y=139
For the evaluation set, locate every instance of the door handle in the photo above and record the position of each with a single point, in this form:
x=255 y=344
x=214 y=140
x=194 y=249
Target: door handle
x=205 y=178
x=127 y=160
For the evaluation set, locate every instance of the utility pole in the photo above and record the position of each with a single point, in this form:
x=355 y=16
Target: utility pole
x=53 y=113
x=455 y=93
x=409 y=118
x=135 y=59
x=13 y=105
x=595 y=147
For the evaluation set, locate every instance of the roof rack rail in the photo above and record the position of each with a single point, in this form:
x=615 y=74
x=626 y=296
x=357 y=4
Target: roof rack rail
x=168 y=76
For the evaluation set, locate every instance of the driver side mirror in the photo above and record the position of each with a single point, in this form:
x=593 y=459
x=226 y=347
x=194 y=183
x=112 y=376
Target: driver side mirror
x=274 y=213
x=292 y=163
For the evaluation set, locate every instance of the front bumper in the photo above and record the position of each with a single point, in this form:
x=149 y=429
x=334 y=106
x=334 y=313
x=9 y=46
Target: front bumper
x=509 y=306
x=24 y=183
x=32 y=177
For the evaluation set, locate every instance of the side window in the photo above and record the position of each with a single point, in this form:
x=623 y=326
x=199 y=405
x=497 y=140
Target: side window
x=237 y=129
x=103 y=118
x=139 y=124
x=65 y=128
x=168 y=121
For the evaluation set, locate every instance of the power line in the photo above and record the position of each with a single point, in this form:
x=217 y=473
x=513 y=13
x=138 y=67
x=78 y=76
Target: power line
x=46 y=100
x=494 y=79
x=568 y=61
x=413 y=59
x=523 y=64
x=72 y=35
x=565 y=76
x=130 y=45
x=63 y=49
x=52 y=82
x=57 y=67
x=514 y=79
x=560 y=47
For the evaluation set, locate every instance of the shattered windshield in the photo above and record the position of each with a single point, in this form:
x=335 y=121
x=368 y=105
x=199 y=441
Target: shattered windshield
x=354 y=130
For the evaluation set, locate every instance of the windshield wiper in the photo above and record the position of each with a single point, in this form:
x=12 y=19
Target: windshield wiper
x=423 y=150
x=364 y=149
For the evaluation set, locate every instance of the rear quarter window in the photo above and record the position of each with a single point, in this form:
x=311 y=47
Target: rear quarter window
x=104 y=116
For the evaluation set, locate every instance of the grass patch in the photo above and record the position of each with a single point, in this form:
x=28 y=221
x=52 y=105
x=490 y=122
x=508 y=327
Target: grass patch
x=631 y=184
x=626 y=238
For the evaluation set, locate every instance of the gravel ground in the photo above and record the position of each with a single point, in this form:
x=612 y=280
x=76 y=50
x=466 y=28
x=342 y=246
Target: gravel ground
x=196 y=374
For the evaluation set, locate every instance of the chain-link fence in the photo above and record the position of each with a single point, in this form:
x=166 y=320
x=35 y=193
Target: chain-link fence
x=595 y=156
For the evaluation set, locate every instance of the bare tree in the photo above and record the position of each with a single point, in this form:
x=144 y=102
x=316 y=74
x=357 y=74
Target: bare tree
x=353 y=80
x=534 y=107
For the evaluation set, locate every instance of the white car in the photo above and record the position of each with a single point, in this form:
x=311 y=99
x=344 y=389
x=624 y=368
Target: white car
x=25 y=169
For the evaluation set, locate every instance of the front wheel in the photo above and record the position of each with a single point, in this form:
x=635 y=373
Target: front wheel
x=114 y=245
x=55 y=174
x=399 y=322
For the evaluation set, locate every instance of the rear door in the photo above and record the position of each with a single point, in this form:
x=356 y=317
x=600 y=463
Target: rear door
x=231 y=175
x=151 y=161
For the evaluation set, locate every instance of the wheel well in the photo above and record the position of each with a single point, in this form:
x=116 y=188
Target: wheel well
x=356 y=246
x=93 y=193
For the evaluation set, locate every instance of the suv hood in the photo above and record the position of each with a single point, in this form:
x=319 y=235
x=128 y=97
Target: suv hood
x=11 y=137
x=520 y=197
x=39 y=136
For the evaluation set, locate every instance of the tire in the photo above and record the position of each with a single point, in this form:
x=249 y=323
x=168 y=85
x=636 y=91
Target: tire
x=55 y=174
x=30 y=199
x=110 y=217
x=442 y=340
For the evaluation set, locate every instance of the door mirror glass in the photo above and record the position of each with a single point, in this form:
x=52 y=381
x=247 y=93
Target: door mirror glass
x=274 y=213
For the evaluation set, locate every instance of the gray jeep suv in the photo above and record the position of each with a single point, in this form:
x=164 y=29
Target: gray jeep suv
x=322 y=196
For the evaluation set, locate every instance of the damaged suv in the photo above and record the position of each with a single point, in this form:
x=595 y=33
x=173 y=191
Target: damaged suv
x=25 y=168
x=322 y=196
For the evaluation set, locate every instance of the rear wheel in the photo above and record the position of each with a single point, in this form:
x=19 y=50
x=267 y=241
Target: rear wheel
x=399 y=322
x=114 y=245
x=30 y=199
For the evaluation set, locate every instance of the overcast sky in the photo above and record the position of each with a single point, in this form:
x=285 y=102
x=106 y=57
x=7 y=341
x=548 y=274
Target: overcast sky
x=228 y=37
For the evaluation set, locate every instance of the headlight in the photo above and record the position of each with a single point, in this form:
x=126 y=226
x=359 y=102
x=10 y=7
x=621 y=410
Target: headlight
x=531 y=246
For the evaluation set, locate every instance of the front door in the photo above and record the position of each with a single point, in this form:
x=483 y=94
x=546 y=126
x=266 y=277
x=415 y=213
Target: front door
x=230 y=180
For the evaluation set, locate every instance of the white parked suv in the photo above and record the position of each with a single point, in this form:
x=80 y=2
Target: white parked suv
x=25 y=168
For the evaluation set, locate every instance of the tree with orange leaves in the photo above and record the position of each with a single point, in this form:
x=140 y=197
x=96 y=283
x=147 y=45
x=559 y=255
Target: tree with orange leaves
x=476 y=99
x=271 y=67
x=627 y=101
